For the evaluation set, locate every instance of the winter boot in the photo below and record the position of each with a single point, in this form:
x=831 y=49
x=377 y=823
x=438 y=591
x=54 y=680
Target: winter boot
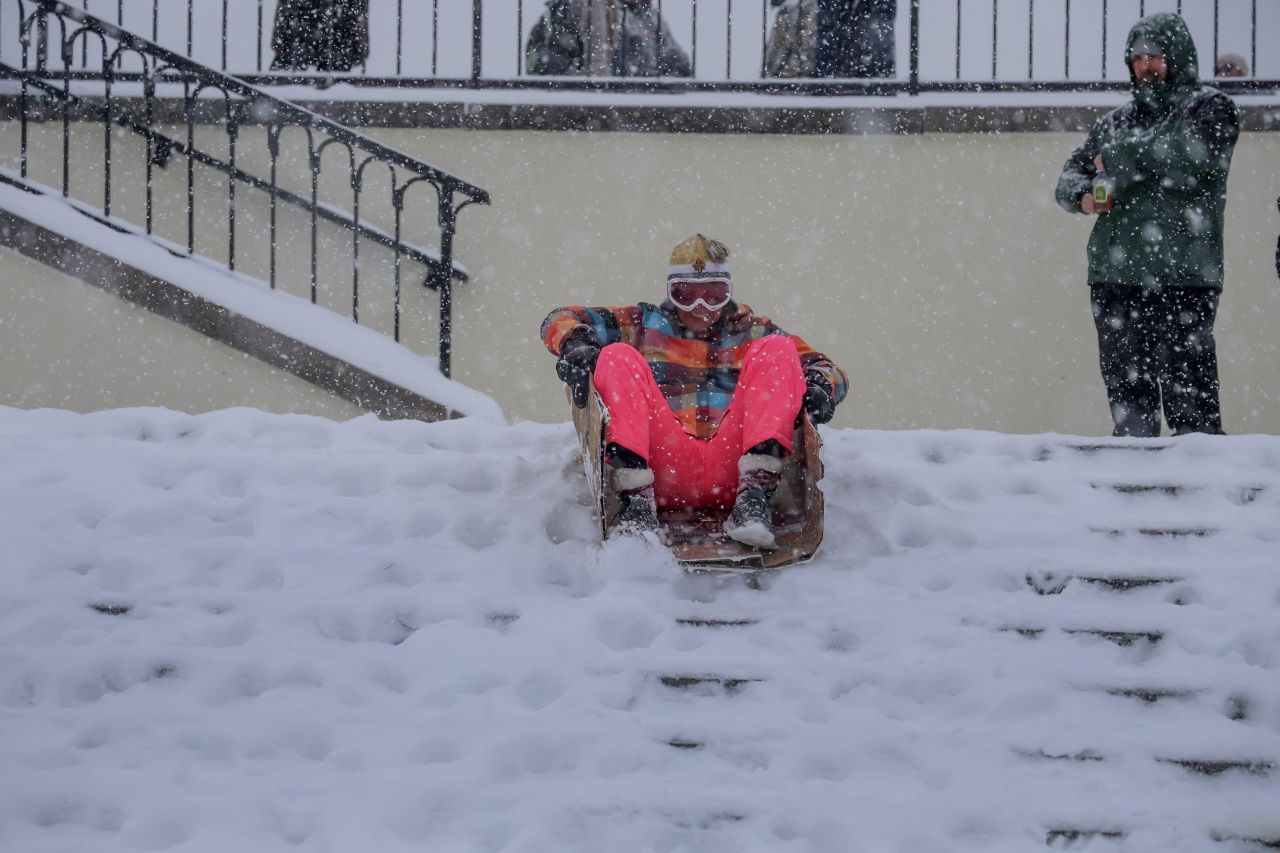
x=634 y=483
x=751 y=520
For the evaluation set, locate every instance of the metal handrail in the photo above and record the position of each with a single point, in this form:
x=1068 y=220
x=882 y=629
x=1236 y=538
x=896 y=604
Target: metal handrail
x=243 y=104
x=160 y=141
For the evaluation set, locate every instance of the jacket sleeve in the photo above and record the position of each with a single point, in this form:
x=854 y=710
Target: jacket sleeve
x=600 y=326
x=815 y=363
x=1179 y=153
x=1079 y=171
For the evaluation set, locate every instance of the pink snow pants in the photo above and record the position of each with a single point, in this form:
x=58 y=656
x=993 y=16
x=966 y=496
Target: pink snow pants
x=696 y=472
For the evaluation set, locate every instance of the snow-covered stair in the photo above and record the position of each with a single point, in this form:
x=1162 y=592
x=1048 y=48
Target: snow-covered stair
x=245 y=631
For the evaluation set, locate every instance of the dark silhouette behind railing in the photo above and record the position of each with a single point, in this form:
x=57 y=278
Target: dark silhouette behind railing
x=238 y=104
x=940 y=45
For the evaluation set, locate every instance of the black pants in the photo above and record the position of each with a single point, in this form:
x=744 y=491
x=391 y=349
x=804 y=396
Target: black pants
x=1158 y=343
x=855 y=38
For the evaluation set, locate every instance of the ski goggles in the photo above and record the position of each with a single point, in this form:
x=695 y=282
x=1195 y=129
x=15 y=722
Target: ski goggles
x=712 y=294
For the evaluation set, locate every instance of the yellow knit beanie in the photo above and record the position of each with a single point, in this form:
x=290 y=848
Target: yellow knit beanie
x=699 y=257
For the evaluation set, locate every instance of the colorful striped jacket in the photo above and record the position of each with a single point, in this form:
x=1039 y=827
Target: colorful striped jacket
x=697 y=375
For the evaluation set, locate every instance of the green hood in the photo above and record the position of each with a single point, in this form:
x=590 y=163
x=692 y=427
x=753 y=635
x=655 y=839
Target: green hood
x=1170 y=33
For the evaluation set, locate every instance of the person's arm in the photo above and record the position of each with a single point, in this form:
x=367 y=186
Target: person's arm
x=577 y=334
x=1180 y=154
x=821 y=370
x=1075 y=184
x=596 y=326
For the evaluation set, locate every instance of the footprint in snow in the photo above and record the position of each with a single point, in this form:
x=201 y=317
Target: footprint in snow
x=479 y=531
x=624 y=630
x=436 y=750
x=424 y=525
x=539 y=690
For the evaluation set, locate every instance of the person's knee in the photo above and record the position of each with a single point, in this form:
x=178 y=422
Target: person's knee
x=616 y=355
x=774 y=346
x=773 y=355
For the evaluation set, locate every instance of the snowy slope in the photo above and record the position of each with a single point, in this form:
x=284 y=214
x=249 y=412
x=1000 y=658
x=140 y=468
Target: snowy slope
x=250 y=632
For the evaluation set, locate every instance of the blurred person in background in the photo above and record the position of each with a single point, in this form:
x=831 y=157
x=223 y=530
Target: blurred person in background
x=855 y=38
x=604 y=38
x=1231 y=65
x=1154 y=172
x=832 y=38
x=793 y=39
x=327 y=35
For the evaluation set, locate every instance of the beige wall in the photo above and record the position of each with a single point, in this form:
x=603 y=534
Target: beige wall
x=935 y=268
x=65 y=344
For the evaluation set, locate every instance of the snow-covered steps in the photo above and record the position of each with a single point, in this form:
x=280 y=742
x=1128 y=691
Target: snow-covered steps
x=244 y=631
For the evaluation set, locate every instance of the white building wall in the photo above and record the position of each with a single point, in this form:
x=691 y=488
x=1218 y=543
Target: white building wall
x=65 y=344
x=935 y=268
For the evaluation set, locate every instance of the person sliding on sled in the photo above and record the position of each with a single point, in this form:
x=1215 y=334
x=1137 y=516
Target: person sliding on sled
x=703 y=394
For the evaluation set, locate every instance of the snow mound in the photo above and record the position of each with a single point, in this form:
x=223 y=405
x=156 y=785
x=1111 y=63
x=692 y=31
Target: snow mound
x=242 y=631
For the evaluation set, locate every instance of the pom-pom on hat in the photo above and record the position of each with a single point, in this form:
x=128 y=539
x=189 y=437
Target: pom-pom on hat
x=699 y=258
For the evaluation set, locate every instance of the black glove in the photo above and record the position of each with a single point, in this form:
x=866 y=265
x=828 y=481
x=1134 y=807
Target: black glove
x=818 y=401
x=576 y=364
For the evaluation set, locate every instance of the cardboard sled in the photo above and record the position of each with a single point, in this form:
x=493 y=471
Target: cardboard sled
x=696 y=537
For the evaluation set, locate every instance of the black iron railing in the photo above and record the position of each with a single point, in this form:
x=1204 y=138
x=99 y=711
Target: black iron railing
x=54 y=35
x=936 y=45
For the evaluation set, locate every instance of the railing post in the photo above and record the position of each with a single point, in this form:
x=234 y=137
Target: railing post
x=67 y=56
x=233 y=134
x=399 y=33
x=764 y=37
x=23 y=104
x=313 y=157
x=273 y=148
x=188 y=108
x=693 y=42
x=148 y=97
x=397 y=202
x=444 y=280
x=42 y=44
x=1215 y=34
x=477 y=33
x=1104 y=40
x=357 y=184
x=258 y=52
x=913 y=84
x=435 y=37
x=107 y=76
x=1031 y=40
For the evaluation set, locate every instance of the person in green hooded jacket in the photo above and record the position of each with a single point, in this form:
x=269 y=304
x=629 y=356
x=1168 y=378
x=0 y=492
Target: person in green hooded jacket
x=1154 y=172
